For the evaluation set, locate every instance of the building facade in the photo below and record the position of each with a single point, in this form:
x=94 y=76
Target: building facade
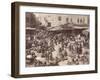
x=61 y=19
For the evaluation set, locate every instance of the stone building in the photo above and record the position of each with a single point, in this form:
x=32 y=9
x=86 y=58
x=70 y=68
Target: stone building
x=61 y=19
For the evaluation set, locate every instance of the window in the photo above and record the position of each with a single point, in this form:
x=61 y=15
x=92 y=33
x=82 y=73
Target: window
x=78 y=20
x=81 y=20
x=67 y=19
x=59 y=18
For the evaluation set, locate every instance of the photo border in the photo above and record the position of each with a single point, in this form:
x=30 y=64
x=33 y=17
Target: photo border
x=15 y=32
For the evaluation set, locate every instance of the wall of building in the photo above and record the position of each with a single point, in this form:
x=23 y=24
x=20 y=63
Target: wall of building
x=44 y=18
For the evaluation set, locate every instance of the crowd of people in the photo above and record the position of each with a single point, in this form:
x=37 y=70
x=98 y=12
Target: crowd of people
x=51 y=48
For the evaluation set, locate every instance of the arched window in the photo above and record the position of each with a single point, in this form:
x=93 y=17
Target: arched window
x=78 y=21
x=67 y=20
x=59 y=18
x=81 y=21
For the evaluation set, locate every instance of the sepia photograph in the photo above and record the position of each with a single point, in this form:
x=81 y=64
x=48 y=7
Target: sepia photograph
x=53 y=39
x=57 y=39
